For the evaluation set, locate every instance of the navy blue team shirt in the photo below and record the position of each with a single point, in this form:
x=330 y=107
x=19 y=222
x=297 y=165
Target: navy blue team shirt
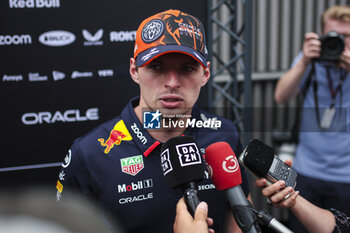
x=118 y=164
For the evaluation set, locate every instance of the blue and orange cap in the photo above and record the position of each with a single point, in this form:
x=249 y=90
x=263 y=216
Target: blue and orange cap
x=167 y=32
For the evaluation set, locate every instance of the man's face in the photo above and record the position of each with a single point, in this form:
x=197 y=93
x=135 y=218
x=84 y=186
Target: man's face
x=171 y=83
x=339 y=26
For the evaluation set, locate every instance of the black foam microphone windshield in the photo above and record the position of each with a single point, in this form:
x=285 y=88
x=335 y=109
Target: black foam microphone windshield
x=183 y=167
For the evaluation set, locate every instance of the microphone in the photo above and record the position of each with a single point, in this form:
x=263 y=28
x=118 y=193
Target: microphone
x=227 y=176
x=183 y=167
x=271 y=222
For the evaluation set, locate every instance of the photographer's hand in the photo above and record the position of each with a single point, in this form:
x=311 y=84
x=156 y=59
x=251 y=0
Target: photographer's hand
x=345 y=60
x=288 y=85
x=311 y=47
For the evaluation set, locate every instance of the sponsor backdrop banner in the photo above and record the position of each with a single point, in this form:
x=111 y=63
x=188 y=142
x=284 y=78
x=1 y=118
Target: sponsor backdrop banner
x=64 y=70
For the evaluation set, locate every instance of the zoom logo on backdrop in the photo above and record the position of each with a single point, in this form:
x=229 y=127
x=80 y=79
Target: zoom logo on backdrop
x=15 y=39
x=57 y=38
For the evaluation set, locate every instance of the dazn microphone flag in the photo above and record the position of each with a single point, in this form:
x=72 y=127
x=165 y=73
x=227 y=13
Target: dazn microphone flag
x=181 y=161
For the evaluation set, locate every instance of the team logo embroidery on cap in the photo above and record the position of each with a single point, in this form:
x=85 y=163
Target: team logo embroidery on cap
x=152 y=31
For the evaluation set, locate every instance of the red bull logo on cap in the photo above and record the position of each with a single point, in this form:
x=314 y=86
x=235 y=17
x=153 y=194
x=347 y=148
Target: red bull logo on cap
x=118 y=134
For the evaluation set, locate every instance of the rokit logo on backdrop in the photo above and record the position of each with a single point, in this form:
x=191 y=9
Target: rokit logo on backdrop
x=34 y=3
x=122 y=36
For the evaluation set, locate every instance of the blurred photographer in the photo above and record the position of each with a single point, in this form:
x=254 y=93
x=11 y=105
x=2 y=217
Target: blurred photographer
x=321 y=73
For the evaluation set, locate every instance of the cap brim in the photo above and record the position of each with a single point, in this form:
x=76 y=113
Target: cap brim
x=148 y=55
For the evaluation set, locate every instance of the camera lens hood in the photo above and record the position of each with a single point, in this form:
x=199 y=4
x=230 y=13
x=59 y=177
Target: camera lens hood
x=332 y=46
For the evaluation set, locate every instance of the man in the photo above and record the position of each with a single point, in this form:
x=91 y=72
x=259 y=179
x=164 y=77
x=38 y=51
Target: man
x=119 y=164
x=323 y=153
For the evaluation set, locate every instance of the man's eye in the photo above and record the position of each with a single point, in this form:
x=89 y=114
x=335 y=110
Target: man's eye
x=154 y=66
x=188 y=69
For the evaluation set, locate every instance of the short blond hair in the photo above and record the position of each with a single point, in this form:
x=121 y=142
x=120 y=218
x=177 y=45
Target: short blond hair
x=336 y=12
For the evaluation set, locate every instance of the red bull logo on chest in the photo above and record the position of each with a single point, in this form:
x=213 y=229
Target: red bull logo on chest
x=118 y=134
x=132 y=165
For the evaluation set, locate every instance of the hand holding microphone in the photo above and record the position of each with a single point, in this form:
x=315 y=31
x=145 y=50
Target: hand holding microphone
x=185 y=223
x=278 y=194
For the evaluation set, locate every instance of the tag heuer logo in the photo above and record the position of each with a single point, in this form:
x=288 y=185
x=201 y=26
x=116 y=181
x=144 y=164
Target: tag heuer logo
x=132 y=165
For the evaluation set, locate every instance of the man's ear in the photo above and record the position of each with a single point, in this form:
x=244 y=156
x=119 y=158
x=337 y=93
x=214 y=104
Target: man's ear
x=133 y=71
x=206 y=75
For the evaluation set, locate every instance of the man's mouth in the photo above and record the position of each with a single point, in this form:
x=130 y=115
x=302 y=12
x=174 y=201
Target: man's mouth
x=171 y=101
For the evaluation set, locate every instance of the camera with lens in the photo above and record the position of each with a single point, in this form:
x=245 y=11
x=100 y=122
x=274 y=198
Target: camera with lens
x=332 y=46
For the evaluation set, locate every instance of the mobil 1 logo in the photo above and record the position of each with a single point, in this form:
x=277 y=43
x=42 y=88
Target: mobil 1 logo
x=188 y=154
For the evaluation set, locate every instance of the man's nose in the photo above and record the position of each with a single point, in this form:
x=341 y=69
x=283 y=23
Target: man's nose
x=172 y=80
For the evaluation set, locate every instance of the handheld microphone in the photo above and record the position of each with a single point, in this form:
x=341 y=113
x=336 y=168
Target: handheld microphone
x=227 y=176
x=271 y=222
x=183 y=167
x=261 y=161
